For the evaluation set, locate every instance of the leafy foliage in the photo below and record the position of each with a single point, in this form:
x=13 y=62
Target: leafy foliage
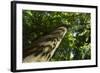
x=76 y=44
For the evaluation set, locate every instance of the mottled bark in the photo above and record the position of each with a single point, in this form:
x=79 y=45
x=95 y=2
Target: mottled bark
x=45 y=47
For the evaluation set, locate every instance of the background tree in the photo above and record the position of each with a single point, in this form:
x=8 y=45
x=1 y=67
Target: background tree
x=76 y=44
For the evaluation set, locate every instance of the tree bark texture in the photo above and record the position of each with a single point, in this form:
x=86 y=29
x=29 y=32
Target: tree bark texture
x=44 y=48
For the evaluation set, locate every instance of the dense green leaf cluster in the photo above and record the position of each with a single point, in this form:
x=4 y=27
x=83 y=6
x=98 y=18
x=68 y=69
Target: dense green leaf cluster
x=76 y=44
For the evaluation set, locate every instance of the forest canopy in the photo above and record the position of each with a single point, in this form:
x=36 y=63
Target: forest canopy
x=76 y=44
